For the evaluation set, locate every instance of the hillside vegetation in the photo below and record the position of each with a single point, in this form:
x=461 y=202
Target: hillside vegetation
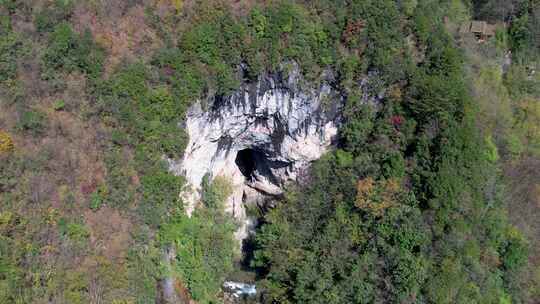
x=431 y=195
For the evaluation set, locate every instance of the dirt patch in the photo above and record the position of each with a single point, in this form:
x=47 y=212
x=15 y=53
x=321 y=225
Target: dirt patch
x=109 y=232
x=124 y=35
x=74 y=148
x=524 y=197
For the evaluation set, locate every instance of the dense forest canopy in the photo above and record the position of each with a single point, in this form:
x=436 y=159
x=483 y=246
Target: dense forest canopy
x=430 y=195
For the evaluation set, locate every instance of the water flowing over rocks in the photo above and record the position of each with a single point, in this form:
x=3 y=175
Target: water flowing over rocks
x=238 y=289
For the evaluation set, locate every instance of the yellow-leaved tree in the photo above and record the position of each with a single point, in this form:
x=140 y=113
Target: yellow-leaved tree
x=6 y=143
x=177 y=5
x=376 y=196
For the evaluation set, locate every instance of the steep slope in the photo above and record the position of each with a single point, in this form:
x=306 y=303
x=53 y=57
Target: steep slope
x=362 y=150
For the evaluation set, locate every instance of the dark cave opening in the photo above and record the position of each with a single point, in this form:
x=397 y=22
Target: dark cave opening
x=246 y=162
x=255 y=165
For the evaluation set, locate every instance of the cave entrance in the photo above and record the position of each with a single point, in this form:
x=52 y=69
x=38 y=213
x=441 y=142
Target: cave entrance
x=245 y=160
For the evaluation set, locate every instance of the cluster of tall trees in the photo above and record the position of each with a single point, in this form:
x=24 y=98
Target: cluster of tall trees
x=410 y=208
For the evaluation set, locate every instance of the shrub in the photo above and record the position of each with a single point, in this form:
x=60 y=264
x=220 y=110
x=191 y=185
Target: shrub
x=158 y=126
x=149 y=116
x=32 y=121
x=119 y=185
x=10 y=49
x=408 y=6
x=215 y=193
x=61 y=43
x=6 y=143
x=160 y=191
x=74 y=231
x=59 y=105
x=516 y=250
x=76 y=289
x=53 y=14
x=394 y=166
x=97 y=198
x=141 y=264
x=202 y=43
x=130 y=81
x=70 y=51
x=225 y=79
x=520 y=36
x=514 y=145
x=492 y=153
x=88 y=55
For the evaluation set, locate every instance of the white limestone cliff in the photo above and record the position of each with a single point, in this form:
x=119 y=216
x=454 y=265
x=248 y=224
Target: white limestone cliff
x=259 y=138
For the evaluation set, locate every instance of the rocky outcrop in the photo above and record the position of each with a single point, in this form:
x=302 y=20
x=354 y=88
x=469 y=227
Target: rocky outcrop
x=259 y=138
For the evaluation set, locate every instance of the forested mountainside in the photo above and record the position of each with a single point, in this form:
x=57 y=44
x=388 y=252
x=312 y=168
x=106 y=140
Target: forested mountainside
x=324 y=151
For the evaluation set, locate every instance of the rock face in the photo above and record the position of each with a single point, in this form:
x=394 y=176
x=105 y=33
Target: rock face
x=259 y=138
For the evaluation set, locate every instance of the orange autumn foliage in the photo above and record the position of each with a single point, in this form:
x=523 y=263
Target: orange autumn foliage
x=375 y=197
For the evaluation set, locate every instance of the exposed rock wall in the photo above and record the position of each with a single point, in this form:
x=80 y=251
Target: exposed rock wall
x=259 y=138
